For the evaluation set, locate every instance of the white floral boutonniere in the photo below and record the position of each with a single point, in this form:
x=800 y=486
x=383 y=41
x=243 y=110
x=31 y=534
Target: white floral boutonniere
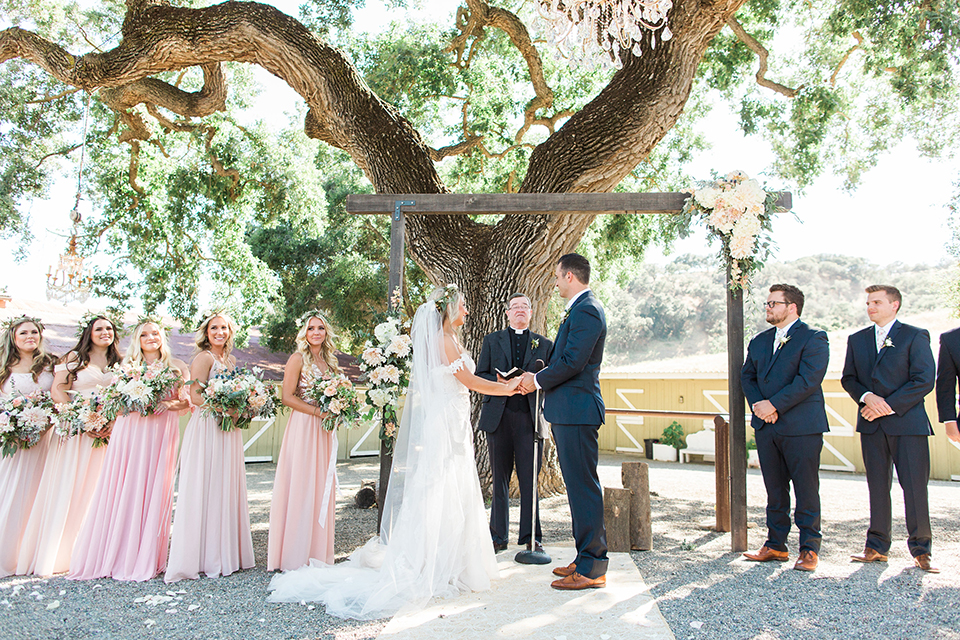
x=887 y=343
x=535 y=343
x=566 y=314
x=783 y=340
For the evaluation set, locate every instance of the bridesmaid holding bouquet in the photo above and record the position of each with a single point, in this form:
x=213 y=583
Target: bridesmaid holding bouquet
x=303 y=505
x=126 y=531
x=211 y=526
x=73 y=463
x=25 y=367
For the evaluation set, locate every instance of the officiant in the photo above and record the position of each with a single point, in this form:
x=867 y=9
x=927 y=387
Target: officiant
x=508 y=421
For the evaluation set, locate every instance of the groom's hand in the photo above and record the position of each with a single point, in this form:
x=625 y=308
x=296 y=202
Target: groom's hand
x=527 y=385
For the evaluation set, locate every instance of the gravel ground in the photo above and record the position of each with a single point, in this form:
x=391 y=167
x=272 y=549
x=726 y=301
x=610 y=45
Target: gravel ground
x=703 y=589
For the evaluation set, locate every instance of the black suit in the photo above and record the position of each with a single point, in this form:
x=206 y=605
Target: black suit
x=789 y=449
x=508 y=422
x=903 y=374
x=948 y=370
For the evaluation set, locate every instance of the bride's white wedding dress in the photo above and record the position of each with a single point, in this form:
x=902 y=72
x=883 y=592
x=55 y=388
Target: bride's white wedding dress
x=435 y=541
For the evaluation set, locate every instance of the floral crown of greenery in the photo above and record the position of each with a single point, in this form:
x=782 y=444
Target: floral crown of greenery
x=313 y=313
x=209 y=314
x=157 y=320
x=90 y=316
x=444 y=301
x=18 y=320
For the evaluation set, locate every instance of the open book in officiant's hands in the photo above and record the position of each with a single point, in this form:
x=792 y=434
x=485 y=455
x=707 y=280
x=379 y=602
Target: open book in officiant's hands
x=513 y=373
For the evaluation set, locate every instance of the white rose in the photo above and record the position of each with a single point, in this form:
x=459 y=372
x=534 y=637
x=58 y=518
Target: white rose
x=136 y=390
x=379 y=397
x=35 y=416
x=707 y=197
x=386 y=331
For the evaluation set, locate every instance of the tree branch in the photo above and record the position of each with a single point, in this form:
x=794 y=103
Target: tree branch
x=61 y=152
x=843 y=61
x=455 y=149
x=762 y=54
x=53 y=97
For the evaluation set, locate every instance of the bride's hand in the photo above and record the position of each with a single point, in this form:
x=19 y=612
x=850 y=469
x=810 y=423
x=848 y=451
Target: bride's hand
x=513 y=385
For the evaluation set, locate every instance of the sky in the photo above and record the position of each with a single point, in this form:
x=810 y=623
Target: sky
x=898 y=213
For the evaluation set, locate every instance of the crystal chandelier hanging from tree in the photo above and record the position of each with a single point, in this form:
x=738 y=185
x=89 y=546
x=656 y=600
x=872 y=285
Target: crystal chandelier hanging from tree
x=589 y=33
x=70 y=283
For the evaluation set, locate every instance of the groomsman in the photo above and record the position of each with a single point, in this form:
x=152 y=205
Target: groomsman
x=782 y=378
x=888 y=371
x=574 y=406
x=948 y=366
x=508 y=421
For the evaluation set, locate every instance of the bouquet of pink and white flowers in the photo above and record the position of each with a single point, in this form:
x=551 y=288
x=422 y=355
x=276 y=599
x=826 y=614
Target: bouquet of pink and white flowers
x=238 y=396
x=83 y=414
x=139 y=388
x=386 y=364
x=336 y=396
x=23 y=419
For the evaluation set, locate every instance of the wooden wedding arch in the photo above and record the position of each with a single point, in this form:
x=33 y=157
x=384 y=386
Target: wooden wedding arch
x=731 y=471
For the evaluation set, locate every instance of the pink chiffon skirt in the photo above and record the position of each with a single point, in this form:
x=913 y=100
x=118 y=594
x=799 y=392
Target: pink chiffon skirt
x=126 y=531
x=20 y=476
x=70 y=476
x=303 y=506
x=211 y=524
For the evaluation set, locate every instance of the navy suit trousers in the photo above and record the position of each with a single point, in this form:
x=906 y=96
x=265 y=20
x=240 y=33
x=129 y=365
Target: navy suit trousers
x=579 y=453
x=786 y=459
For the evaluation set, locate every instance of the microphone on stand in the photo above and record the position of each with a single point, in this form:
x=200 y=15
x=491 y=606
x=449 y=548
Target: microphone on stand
x=532 y=555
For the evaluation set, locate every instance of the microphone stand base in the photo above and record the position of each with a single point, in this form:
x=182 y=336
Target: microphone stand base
x=530 y=556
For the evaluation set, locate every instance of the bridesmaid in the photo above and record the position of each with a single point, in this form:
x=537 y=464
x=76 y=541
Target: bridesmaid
x=211 y=526
x=25 y=366
x=72 y=465
x=303 y=505
x=126 y=531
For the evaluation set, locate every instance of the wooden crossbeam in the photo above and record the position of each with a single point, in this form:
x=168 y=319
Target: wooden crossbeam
x=526 y=203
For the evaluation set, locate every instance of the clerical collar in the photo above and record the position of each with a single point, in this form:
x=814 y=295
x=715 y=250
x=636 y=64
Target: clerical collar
x=519 y=332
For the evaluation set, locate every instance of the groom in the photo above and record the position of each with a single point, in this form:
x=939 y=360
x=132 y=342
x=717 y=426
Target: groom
x=574 y=406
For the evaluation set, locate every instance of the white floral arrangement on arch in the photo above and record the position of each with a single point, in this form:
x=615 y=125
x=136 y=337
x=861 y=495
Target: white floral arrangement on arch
x=385 y=362
x=740 y=212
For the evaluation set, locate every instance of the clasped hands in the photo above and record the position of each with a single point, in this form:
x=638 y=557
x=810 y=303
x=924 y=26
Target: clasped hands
x=874 y=407
x=521 y=384
x=765 y=411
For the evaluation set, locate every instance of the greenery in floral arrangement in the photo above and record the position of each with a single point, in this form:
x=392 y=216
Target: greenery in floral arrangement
x=673 y=436
x=740 y=212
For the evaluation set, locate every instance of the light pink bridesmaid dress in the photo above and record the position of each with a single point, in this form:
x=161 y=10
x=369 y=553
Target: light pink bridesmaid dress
x=303 y=506
x=66 y=490
x=20 y=476
x=127 y=529
x=211 y=524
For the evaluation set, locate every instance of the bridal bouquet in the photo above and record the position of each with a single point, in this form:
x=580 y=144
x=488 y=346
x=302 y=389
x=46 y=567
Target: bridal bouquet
x=83 y=414
x=238 y=396
x=336 y=396
x=23 y=419
x=139 y=388
x=386 y=364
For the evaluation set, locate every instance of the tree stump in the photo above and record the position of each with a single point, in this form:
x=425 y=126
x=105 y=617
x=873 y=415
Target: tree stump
x=616 y=518
x=636 y=477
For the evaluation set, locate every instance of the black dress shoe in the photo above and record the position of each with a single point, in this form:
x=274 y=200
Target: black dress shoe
x=499 y=546
x=537 y=547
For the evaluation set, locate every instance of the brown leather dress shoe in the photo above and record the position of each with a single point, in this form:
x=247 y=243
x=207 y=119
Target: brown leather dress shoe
x=922 y=561
x=576 y=582
x=807 y=561
x=869 y=555
x=766 y=554
x=568 y=570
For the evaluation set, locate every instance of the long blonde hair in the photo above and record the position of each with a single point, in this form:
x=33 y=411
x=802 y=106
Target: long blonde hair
x=134 y=353
x=202 y=341
x=326 y=349
x=10 y=354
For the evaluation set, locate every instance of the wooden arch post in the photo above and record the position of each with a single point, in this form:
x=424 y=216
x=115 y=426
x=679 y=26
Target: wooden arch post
x=400 y=205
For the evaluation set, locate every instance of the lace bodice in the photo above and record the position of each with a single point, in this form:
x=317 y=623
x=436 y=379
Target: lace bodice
x=88 y=379
x=447 y=373
x=21 y=384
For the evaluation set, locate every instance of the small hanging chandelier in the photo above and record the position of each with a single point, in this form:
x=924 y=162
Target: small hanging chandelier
x=590 y=33
x=70 y=283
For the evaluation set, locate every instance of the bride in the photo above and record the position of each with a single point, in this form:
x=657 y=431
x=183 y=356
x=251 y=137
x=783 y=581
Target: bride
x=434 y=539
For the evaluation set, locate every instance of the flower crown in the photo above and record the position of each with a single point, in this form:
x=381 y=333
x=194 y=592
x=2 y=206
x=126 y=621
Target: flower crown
x=90 y=316
x=18 y=320
x=209 y=314
x=444 y=301
x=313 y=313
x=157 y=320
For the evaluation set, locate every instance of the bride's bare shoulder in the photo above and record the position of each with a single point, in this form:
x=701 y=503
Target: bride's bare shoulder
x=451 y=348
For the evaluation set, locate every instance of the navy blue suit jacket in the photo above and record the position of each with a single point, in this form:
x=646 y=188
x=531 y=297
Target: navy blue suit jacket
x=790 y=378
x=571 y=381
x=495 y=354
x=948 y=366
x=902 y=374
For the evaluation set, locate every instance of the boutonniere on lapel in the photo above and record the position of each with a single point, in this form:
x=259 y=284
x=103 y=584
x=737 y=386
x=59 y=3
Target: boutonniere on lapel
x=783 y=340
x=566 y=314
x=887 y=343
x=535 y=343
